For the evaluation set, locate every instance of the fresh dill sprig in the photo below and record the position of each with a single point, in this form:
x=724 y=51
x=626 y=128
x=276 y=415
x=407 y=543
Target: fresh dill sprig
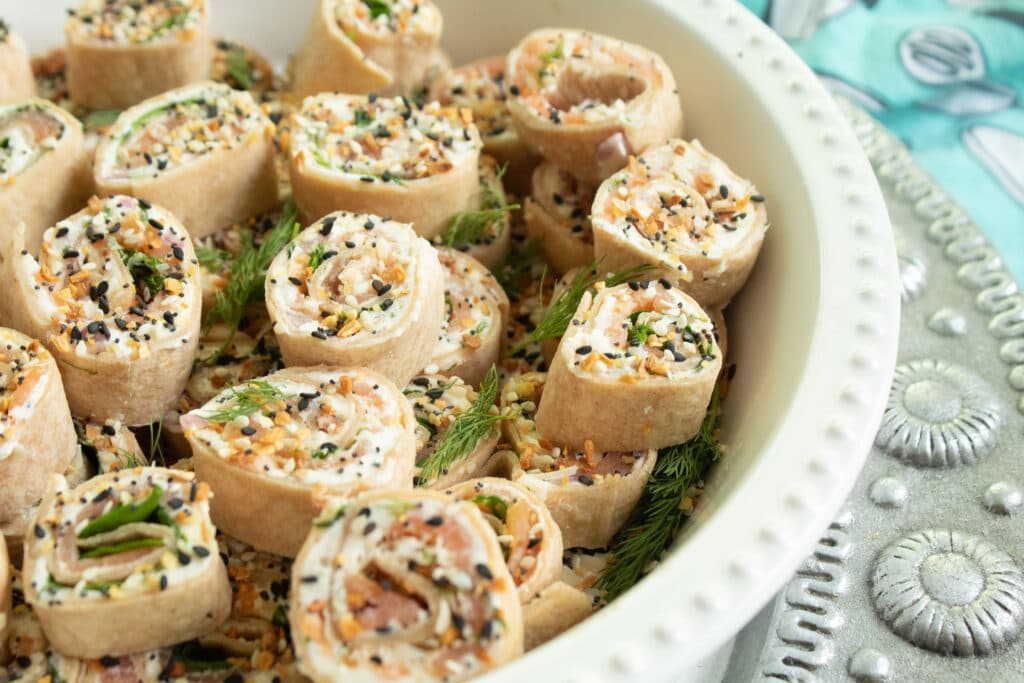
x=464 y=433
x=212 y=259
x=378 y=7
x=239 y=68
x=560 y=311
x=156 y=449
x=468 y=227
x=316 y=257
x=101 y=118
x=511 y=270
x=246 y=400
x=147 y=272
x=658 y=516
x=248 y=274
x=638 y=332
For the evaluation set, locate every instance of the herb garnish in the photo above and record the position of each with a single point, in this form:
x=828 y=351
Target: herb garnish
x=126 y=513
x=378 y=8
x=248 y=274
x=246 y=400
x=197 y=657
x=101 y=118
x=362 y=118
x=316 y=257
x=638 y=332
x=658 y=516
x=464 y=432
x=212 y=259
x=511 y=270
x=468 y=227
x=238 y=67
x=280 y=617
x=146 y=272
x=117 y=548
x=560 y=311
x=492 y=505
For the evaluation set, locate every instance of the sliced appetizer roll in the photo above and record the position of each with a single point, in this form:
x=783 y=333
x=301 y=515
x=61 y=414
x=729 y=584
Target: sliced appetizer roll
x=680 y=208
x=44 y=167
x=16 y=80
x=634 y=370
x=404 y=586
x=586 y=102
x=122 y=51
x=357 y=290
x=530 y=540
x=476 y=309
x=360 y=47
x=293 y=434
x=554 y=611
x=485 y=232
x=438 y=402
x=115 y=296
x=37 y=437
x=104 y=558
x=480 y=87
x=385 y=156
x=107 y=447
x=558 y=217
x=204 y=151
x=590 y=493
x=240 y=66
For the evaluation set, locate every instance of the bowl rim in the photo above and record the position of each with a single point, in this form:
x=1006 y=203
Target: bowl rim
x=810 y=464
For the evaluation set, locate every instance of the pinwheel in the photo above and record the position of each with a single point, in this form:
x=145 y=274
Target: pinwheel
x=16 y=80
x=558 y=216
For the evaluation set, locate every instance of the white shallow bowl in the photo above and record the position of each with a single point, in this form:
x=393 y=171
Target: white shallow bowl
x=813 y=334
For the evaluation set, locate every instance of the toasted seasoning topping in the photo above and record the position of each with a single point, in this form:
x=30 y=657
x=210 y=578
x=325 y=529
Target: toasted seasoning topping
x=136 y=21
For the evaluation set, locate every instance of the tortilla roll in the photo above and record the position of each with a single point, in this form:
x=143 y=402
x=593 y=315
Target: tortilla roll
x=485 y=232
x=479 y=87
x=680 y=208
x=297 y=432
x=554 y=611
x=37 y=437
x=384 y=156
x=104 y=558
x=120 y=52
x=17 y=82
x=635 y=370
x=585 y=101
x=530 y=539
x=558 y=215
x=400 y=582
x=203 y=151
x=357 y=290
x=436 y=401
x=590 y=493
x=476 y=308
x=357 y=47
x=115 y=297
x=106 y=447
x=44 y=168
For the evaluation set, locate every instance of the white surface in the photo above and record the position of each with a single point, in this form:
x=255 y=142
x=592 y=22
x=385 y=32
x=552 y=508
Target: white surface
x=814 y=333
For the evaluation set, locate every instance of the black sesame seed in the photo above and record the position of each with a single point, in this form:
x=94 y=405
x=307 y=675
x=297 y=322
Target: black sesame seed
x=183 y=557
x=163 y=582
x=585 y=480
x=295 y=281
x=40 y=532
x=201 y=551
x=585 y=349
x=106 y=661
x=484 y=571
x=435 y=521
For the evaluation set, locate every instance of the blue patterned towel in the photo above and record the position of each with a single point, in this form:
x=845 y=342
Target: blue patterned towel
x=946 y=76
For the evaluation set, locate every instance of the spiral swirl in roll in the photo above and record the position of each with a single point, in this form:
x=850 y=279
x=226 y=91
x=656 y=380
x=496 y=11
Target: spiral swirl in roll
x=585 y=102
x=384 y=156
x=116 y=299
x=203 y=151
x=358 y=47
x=293 y=434
x=403 y=585
x=101 y=559
x=357 y=290
x=120 y=52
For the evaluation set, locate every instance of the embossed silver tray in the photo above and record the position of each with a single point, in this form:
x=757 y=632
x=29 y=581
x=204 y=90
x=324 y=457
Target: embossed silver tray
x=919 y=578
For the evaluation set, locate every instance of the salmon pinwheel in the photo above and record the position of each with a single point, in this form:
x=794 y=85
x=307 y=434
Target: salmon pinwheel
x=119 y=52
x=476 y=309
x=203 y=151
x=530 y=540
x=438 y=402
x=484 y=232
x=558 y=216
x=240 y=66
x=480 y=87
x=385 y=156
x=403 y=586
x=354 y=46
x=115 y=297
x=107 y=447
x=44 y=168
x=681 y=209
x=37 y=437
x=634 y=370
x=590 y=493
x=357 y=290
x=16 y=79
x=585 y=102
x=293 y=434
x=101 y=559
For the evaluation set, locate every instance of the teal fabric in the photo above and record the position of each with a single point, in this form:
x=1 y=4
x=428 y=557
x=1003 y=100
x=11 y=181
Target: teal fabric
x=946 y=76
